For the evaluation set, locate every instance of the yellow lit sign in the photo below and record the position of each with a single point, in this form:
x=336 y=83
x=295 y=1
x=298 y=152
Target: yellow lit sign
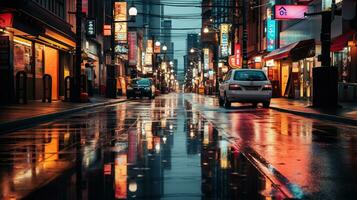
x=120 y=24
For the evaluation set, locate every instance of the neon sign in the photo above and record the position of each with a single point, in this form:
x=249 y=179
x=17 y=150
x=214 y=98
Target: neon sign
x=286 y=12
x=271 y=34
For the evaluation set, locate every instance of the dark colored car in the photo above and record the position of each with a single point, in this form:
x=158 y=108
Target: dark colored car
x=141 y=87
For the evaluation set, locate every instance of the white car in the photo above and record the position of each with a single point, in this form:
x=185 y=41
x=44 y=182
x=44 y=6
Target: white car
x=245 y=86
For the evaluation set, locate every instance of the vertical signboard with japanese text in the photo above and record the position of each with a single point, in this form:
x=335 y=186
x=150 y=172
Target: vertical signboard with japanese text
x=224 y=30
x=271 y=34
x=238 y=55
x=120 y=24
x=206 y=58
x=133 y=48
x=91 y=28
x=149 y=52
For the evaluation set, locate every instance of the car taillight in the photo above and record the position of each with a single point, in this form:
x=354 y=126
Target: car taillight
x=234 y=87
x=267 y=87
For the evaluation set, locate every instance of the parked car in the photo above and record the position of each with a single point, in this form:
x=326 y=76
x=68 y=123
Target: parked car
x=141 y=87
x=245 y=86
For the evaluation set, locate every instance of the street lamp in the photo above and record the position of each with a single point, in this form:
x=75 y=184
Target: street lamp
x=164 y=48
x=206 y=30
x=133 y=11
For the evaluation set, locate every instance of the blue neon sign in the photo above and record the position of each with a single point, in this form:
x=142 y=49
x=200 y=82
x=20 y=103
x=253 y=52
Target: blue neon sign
x=271 y=34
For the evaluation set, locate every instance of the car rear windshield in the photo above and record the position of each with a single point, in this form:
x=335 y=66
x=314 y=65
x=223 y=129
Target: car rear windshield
x=249 y=75
x=140 y=82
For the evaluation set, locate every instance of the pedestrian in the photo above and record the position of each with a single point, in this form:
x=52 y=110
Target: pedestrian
x=90 y=77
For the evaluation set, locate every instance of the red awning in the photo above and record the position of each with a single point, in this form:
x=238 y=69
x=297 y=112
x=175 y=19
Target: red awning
x=295 y=51
x=340 y=42
x=280 y=53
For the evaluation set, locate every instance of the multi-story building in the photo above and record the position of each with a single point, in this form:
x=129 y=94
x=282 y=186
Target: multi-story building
x=193 y=61
x=294 y=71
x=166 y=26
x=37 y=38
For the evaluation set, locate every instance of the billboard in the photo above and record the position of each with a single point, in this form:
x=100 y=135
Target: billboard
x=271 y=34
x=120 y=24
x=286 y=12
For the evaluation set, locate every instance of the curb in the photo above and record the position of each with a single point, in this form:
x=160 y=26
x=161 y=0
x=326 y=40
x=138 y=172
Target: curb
x=334 y=118
x=28 y=122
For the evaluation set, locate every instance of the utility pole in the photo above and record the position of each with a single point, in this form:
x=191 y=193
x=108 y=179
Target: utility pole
x=326 y=38
x=245 y=35
x=78 y=58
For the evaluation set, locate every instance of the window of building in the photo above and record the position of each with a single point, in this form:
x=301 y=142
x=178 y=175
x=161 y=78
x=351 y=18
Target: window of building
x=22 y=56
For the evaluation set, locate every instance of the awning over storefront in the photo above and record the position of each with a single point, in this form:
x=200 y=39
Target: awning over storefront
x=295 y=51
x=341 y=41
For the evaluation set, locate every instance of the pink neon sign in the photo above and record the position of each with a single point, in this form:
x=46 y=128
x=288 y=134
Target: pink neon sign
x=286 y=12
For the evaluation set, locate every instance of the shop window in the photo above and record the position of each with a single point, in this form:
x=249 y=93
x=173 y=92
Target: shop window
x=39 y=58
x=22 y=56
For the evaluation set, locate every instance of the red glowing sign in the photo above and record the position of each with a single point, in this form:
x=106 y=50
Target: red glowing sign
x=107 y=30
x=286 y=12
x=107 y=169
x=133 y=48
x=237 y=55
x=6 y=20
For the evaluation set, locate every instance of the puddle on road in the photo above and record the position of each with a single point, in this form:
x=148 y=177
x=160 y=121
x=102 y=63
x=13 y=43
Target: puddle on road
x=169 y=152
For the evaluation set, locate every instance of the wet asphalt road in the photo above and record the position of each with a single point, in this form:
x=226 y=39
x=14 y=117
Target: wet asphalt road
x=180 y=147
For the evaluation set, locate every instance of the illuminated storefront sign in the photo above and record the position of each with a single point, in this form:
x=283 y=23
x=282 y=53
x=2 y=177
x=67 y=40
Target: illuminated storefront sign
x=206 y=58
x=269 y=63
x=133 y=48
x=224 y=30
x=149 y=48
x=237 y=55
x=149 y=52
x=148 y=59
x=91 y=28
x=120 y=16
x=157 y=47
x=6 y=20
x=271 y=34
x=107 y=30
x=121 y=49
x=286 y=12
x=85 y=7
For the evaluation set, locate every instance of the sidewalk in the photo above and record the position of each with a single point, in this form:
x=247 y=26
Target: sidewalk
x=346 y=114
x=20 y=115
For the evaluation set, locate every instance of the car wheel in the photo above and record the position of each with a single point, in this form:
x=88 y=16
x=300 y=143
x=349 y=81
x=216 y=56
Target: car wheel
x=220 y=101
x=227 y=103
x=266 y=104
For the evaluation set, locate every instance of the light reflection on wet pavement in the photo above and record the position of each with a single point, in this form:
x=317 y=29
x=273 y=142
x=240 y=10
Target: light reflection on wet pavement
x=318 y=158
x=179 y=147
x=161 y=149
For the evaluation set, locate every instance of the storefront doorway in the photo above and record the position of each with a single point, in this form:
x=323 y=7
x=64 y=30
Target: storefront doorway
x=285 y=71
x=52 y=68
